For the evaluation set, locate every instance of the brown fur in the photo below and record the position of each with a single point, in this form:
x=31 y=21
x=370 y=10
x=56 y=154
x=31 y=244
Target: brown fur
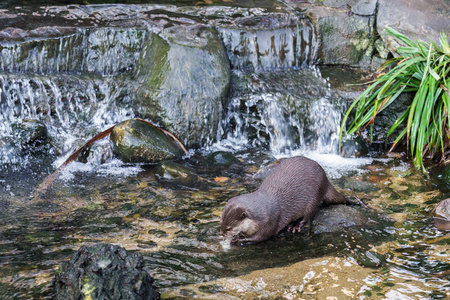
x=292 y=192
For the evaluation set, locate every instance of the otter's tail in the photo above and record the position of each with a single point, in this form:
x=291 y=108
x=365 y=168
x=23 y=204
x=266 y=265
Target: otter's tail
x=334 y=197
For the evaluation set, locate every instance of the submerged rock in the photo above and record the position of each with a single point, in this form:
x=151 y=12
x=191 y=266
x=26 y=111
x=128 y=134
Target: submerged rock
x=170 y=170
x=104 y=271
x=30 y=132
x=354 y=146
x=335 y=218
x=371 y=259
x=222 y=158
x=186 y=78
x=441 y=215
x=137 y=141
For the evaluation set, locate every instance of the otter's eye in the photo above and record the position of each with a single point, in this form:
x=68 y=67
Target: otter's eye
x=244 y=215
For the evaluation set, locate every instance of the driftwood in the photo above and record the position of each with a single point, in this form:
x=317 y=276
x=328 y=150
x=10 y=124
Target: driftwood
x=48 y=181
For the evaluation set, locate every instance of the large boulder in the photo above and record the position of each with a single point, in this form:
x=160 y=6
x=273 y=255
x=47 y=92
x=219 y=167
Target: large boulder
x=104 y=271
x=345 y=39
x=138 y=141
x=185 y=77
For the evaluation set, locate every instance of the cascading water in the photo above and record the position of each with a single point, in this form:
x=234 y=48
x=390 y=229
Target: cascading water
x=71 y=83
x=283 y=111
x=291 y=46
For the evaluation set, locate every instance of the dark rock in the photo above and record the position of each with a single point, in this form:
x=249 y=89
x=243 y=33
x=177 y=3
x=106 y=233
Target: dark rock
x=30 y=132
x=137 y=141
x=386 y=118
x=441 y=215
x=222 y=158
x=371 y=259
x=354 y=146
x=335 y=218
x=441 y=177
x=186 y=79
x=265 y=171
x=104 y=271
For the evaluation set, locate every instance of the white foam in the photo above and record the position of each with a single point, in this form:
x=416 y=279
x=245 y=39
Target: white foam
x=114 y=167
x=334 y=165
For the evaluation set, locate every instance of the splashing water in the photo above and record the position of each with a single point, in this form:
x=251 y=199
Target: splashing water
x=284 y=112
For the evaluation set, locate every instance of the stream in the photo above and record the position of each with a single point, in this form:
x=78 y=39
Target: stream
x=170 y=211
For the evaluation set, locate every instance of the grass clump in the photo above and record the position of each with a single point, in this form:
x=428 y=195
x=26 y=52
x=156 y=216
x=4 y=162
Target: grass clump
x=421 y=68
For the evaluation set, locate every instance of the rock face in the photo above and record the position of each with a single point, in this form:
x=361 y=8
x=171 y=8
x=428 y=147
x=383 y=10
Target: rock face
x=414 y=18
x=345 y=39
x=137 y=141
x=336 y=218
x=104 y=271
x=187 y=83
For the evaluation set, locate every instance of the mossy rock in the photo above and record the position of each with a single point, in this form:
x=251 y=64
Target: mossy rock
x=371 y=259
x=185 y=80
x=104 y=271
x=137 y=141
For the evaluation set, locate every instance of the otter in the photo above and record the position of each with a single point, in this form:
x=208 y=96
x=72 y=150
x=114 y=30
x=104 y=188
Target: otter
x=289 y=196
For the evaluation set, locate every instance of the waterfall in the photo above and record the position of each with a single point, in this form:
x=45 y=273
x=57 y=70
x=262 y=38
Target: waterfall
x=77 y=84
x=283 y=111
x=85 y=51
x=291 y=46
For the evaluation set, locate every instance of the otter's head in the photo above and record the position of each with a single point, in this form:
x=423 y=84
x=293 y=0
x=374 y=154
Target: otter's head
x=239 y=222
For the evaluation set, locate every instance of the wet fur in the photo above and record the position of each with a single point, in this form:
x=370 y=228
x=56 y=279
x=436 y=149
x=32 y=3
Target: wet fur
x=292 y=192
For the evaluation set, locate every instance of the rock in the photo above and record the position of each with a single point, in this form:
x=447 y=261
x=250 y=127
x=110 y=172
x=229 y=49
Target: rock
x=354 y=146
x=335 y=218
x=269 y=41
x=222 y=158
x=137 y=141
x=359 y=186
x=186 y=77
x=346 y=40
x=371 y=259
x=265 y=171
x=358 y=7
x=414 y=18
x=170 y=170
x=386 y=118
x=441 y=215
x=30 y=133
x=104 y=271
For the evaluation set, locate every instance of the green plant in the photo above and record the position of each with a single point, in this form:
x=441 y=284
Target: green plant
x=420 y=68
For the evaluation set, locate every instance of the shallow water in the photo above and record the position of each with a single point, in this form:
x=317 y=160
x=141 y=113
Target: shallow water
x=170 y=211
x=171 y=215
